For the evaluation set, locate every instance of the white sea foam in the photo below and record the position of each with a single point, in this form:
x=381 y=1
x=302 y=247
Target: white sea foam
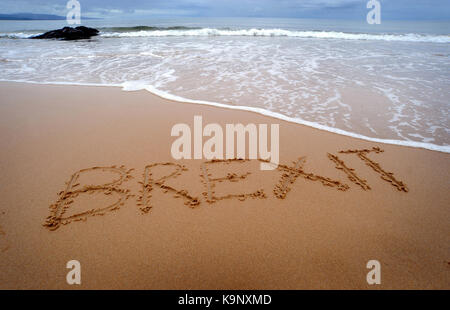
x=17 y=35
x=411 y=37
x=150 y=54
x=138 y=86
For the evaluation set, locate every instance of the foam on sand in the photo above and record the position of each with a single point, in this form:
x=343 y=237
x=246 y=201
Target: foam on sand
x=140 y=85
x=133 y=86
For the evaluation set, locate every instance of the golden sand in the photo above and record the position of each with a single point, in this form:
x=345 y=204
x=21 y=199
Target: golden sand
x=87 y=175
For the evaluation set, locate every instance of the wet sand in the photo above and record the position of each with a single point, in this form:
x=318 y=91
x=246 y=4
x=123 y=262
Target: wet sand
x=87 y=175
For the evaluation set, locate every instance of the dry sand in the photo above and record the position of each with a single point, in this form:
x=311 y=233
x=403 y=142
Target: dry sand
x=319 y=234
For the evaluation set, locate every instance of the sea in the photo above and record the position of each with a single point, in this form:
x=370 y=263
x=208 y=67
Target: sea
x=384 y=83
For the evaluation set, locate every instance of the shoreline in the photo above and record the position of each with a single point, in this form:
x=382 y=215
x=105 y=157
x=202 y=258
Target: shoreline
x=268 y=32
x=208 y=225
x=174 y=98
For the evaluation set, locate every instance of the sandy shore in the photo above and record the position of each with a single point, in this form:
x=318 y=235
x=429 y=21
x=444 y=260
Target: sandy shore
x=319 y=234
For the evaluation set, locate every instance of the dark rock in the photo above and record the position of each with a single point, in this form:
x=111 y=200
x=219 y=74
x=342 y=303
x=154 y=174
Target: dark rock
x=69 y=33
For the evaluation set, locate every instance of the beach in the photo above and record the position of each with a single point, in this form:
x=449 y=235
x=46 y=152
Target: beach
x=304 y=225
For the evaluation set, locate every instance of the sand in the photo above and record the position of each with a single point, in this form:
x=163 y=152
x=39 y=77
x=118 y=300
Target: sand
x=87 y=175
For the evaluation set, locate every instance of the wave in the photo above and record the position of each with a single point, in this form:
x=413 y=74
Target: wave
x=17 y=35
x=137 y=85
x=27 y=35
x=166 y=32
x=178 y=31
x=146 y=28
x=134 y=86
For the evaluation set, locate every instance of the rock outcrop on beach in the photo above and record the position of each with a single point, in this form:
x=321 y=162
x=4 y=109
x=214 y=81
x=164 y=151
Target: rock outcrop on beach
x=69 y=33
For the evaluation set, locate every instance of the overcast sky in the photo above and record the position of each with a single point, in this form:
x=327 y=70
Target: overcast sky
x=339 y=9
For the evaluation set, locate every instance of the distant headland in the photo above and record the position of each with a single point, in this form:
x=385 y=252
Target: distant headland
x=32 y=16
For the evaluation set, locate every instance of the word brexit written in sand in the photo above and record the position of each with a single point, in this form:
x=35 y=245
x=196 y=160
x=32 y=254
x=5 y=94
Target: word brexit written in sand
x=289 y=174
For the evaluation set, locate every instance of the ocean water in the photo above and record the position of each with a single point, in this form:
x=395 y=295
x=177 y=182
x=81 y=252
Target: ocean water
x=387 y=83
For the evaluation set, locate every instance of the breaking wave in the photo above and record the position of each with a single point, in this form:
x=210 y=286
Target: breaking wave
x=175 y=31
x=143 y=31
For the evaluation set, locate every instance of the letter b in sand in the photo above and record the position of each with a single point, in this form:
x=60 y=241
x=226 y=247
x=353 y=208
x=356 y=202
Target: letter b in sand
x=374 y=275
x=74 y=275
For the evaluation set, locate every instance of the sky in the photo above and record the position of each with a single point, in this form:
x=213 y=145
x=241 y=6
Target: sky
x=330 y=9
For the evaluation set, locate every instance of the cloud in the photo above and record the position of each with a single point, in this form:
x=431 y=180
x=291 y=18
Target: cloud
x=398 y=9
